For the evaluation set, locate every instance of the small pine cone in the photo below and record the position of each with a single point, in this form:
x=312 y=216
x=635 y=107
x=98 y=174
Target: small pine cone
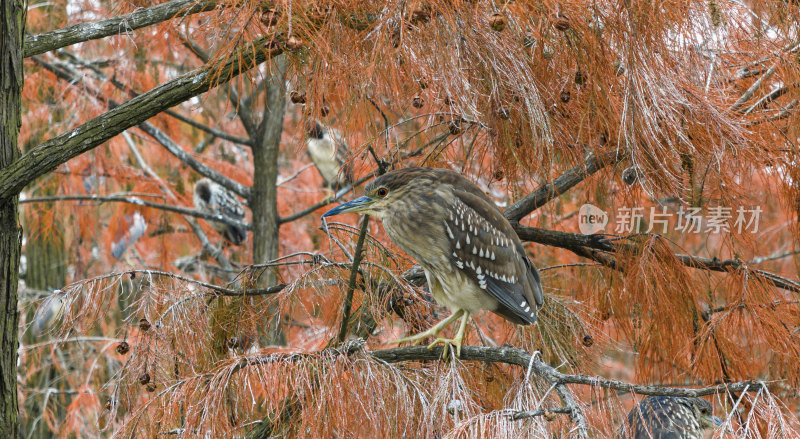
x=324 y=111
x=631 y=175
x=144 y=325
x=420 y=15
x=588 y=340
x=565 y=96
x=269 y=18
x=151 y=387
x=294 y=43
x=298 y=97
x=561 y=23
x=418 y=102
x=144 y=378
x=581 y=78
x=123 y=348
x=423 y=83
x=497 y=22
x=499 y=174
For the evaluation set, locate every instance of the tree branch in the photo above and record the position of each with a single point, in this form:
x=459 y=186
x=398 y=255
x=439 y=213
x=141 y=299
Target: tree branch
x=351 y=286
x=139 y=202
x=61 y=71
x=48 y=155
x=77 y=33
x=563 y=183
x=597 y=247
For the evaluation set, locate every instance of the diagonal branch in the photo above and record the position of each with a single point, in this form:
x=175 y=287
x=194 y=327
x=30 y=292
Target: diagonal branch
x=50 y=154
x=70 y=76
x=563 y=183
x=77 y=33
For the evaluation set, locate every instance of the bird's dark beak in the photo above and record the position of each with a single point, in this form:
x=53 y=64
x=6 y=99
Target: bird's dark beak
x=356 y=205
x=717 y=421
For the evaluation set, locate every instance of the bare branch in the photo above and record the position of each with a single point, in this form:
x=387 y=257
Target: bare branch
x=48 y=155
x=139 y=202
x=77 y=33
x=351 y=286
x=563 y=183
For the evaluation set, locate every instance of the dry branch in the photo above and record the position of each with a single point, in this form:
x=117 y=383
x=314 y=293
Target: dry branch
x=139 y=202
x=563 y=183
x=78 y=33
x=50 y=154
x=164 y=140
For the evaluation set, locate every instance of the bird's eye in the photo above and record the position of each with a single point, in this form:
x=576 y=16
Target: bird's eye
x=382 y=192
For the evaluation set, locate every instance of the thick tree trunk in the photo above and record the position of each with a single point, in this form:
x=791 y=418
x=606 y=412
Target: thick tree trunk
x=12 y=29
x=264 y=195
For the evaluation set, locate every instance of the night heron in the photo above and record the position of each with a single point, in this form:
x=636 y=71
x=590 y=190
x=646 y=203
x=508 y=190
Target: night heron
x=472 y=257
x=210 y=197
x=329 y=151
x=669 y=417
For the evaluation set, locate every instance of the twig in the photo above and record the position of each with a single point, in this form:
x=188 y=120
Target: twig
x=139 y=202
x=348 y=299
x=753 y=88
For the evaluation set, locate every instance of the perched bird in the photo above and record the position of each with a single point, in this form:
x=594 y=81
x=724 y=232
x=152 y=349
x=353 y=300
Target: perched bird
x=471 y=256
x=329 y=151
x=210 y=197
x=669 y=417
x=47 y=314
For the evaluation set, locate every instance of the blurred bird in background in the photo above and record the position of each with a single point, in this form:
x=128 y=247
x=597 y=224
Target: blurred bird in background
x=48 y=313
x=669 y=417
x=210 y=197
x=330 y=153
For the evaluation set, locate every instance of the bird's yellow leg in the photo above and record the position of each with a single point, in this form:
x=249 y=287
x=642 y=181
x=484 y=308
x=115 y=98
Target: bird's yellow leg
x=433 y=331
x=456 y=342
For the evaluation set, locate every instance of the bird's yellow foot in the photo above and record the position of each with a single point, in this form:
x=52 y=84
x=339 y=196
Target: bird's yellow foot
x=431 y=332
x=446 y=342
x=456 y=341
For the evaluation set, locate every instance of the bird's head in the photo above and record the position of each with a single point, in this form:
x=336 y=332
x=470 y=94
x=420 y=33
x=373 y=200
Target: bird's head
x=402 y=188
x=704 y=413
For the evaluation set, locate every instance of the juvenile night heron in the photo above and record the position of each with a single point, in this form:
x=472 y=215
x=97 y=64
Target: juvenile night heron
x=472 y=257
x=669 y=417
x=210 y=197
x=329 y=152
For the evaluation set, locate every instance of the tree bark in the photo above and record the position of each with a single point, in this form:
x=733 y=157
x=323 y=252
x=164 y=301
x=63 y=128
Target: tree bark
x=264 y=193
x=12 y=30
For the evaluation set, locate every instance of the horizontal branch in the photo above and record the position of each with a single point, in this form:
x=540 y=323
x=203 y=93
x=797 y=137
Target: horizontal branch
x=563 y=183
x=48 y=155
x=518 y=357
x=78 y=33
x=599 y=248
x=140 y=202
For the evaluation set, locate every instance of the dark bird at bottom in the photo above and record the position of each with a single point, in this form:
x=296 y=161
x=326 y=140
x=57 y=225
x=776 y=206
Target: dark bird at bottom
x=669 y=417
x=472 y=257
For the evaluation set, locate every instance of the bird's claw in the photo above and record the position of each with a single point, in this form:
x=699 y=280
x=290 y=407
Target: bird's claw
x=446 y=343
